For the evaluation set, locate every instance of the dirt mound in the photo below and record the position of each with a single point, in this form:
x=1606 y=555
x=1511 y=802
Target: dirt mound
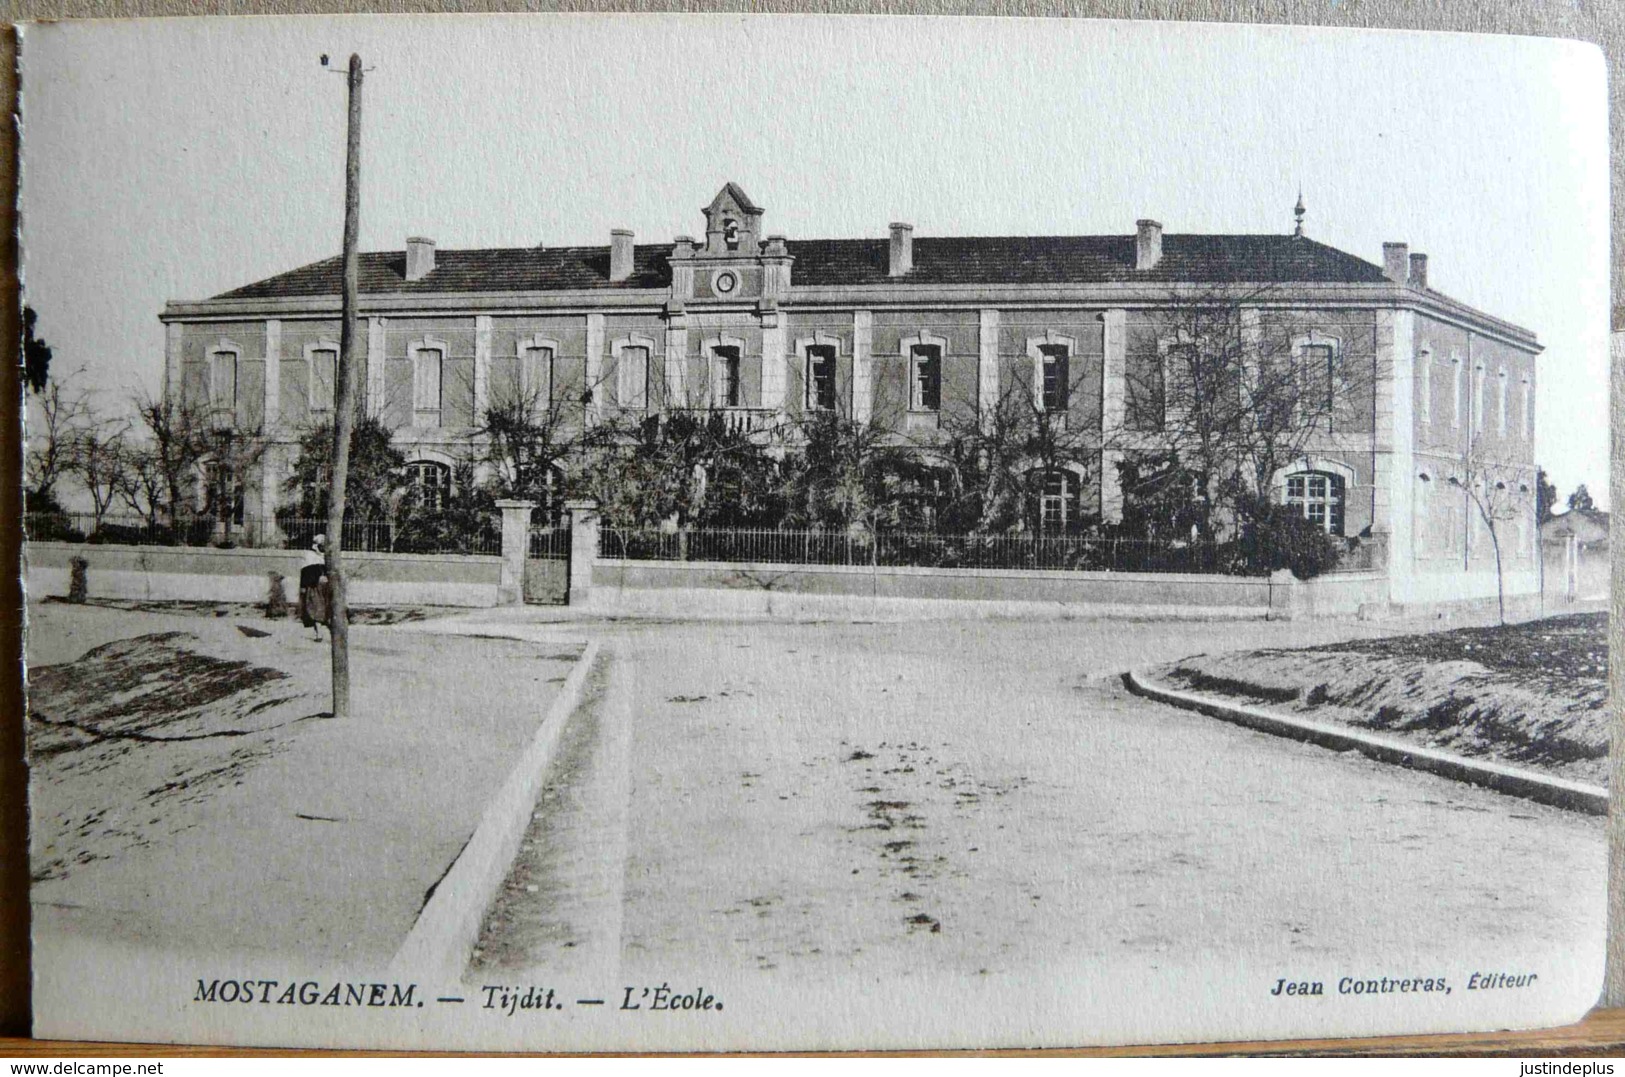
x=1512 y=707
x=145 y=689
x=179 y=721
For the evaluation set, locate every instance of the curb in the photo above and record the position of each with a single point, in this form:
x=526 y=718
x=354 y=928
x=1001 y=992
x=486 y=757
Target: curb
x=1513 y=781
x=438 y=946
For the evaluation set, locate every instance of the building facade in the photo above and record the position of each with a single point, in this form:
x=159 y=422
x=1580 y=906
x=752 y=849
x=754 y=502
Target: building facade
x=912 y=335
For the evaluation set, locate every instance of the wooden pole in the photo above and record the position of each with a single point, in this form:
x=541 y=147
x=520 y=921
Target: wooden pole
x=344 y=402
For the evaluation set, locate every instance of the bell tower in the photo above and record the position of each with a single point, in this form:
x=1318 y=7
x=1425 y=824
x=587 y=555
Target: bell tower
x=735 y=264
x=733 y=224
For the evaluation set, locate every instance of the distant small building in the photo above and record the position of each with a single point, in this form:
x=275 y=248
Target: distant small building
x=1574 y=548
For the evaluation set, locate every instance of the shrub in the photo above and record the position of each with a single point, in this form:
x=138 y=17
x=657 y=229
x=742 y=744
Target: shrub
x=1277 y=536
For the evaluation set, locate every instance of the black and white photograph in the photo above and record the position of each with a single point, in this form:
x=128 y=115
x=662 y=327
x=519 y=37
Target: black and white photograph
x=747 y=532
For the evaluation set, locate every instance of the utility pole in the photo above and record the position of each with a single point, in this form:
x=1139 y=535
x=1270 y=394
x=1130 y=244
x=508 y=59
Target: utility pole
x=344 y=401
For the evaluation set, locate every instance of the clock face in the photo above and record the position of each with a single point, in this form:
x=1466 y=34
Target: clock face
x=725 y=283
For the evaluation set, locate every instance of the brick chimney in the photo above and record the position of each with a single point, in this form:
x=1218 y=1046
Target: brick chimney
x=1419 y=271
x=902 y=250
x=419 y=257
x=1396 y=262
x=620 y=253
x=1147 y=244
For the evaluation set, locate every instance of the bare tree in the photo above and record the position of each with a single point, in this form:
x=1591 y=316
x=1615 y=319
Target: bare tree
x=97 y=457
x=1237 y=388
x=144 y=489
x=528 y=432
x=56 y=419
x=228 y=455
x=172 y=445
x=1498 y=491
x=1023 y=449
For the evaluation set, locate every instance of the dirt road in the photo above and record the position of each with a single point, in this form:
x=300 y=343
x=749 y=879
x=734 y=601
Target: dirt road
x=911 y=800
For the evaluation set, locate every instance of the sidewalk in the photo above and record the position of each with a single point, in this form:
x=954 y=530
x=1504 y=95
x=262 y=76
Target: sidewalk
x=316 y=839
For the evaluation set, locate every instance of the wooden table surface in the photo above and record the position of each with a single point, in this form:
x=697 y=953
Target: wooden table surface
x=1601 y=1033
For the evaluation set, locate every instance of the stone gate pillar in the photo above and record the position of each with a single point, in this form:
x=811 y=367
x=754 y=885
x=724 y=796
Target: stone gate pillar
x=515 y=547
x=583 y=547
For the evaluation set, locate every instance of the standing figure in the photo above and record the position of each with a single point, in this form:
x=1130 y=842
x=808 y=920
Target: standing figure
x=315 y=591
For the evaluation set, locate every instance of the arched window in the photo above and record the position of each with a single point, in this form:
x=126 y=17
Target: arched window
x=919 y=493
x=1057 y=492
x=1319 y=496
x=431 y=481
x=821 y=377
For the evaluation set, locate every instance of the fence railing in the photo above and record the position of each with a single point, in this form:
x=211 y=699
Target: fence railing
x=477 y=536
x=898 y=549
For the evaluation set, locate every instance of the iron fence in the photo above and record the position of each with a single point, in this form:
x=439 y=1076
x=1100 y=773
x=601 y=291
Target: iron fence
x=550 y=543
x=917 y=549
x=481 y=534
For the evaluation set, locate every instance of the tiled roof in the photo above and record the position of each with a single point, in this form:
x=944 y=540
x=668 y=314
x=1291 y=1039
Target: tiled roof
x=977 y=260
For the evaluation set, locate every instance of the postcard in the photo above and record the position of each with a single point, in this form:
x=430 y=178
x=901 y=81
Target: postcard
x=665 y=532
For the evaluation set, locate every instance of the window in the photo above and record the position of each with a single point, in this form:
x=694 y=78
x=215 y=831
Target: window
x=1317 y=390
x=1424 y=386
x=428 y=363
x=223 y=379
x=1476 y=417
x=1054 y=364
x=726 y=377
x=323 y=372
x=1501 y=404
x=536 y=376
x=1319 y=496
x=1057 y=500
x=918 y=494
x=431 y=481
x=926 y=361
x=821 y=378
x=1527 y=426
x=1455 y=391
x=730 y=233
x=632 y=376
x=1145 y=387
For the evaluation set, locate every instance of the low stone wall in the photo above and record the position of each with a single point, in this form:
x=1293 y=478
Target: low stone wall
x=202 y=574
x=699 y=587
x=1341 y=594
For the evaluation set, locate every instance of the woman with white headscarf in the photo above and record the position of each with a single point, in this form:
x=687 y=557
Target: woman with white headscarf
x=315 y=592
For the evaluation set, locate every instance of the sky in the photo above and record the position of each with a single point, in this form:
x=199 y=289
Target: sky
x=175 y=159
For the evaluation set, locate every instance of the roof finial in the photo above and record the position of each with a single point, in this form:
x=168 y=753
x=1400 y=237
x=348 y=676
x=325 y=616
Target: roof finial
x=1298 y=212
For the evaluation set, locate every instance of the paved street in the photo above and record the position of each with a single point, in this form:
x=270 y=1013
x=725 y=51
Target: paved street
x=986 y=799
